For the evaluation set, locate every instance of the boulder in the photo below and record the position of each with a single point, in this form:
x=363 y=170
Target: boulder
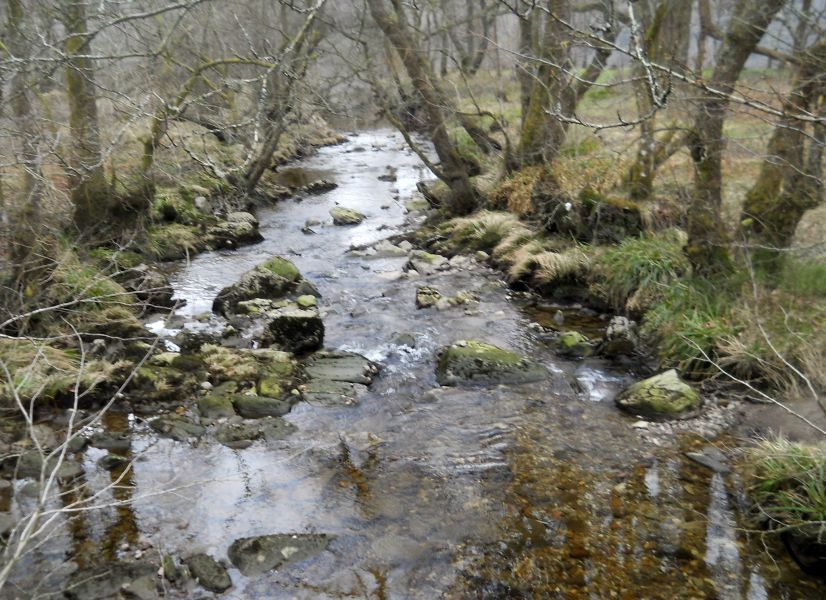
x=620 y=338
x=346 y=216
x=208 y=572
x=470 y=362
x=177 y=428
x=274 y=279
x=427 y=296
x=608 y=219
x=292 y=329
x=663 y=396
x=257 y=555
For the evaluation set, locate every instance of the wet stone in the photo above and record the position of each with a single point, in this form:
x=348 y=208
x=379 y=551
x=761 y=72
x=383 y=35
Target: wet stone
x=215 y=406
x=111 y=462
x=258 y=407
x=112 y=441
x=346 y=216
x=296 y=330
x=341 y=366
x=239 y=436
x=427 y=296
x=177 y=428
x=257 y=555
x=211 y=574
x=477 y=363
x=663 y=396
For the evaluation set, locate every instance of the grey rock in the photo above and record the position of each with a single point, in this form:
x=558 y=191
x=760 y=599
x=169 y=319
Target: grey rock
x=295 y=330
x=620 y=338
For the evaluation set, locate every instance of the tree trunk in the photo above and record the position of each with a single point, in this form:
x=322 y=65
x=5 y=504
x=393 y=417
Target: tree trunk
x=93 y=203
x=541 y=134
x=707 y=235
x=453 y=170
x=789 y=183
x=26 y=216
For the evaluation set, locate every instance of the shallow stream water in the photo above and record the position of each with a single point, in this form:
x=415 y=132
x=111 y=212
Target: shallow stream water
x=536 y=491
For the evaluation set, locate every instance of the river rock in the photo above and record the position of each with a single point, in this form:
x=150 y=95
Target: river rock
x=215 y=406
x=177 y=428
x=427 y=296
x=111 y=440
x=425 y=263
x=112 y=462
x=211 y=574
x=258 y=407
x=273 y=279
x=346 y=216
x=470 y=362
x=808 y=547
x=318 y=187
x=337 y=378
x=257 y=555
x=241 y=435
x=295 y=330
x=150 y=286
x=573 y=344
x=306 y=302
x=239 y=228
x=7 y=523
x=663 y=396
x=620 y=338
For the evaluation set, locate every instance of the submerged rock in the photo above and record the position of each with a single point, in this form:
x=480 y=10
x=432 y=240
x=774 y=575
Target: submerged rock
x=257 y=555
x=107 y=581
x=472 y=362
x=241 y=435
x=663 y=396
x=177 y=428
x=346 y=216
x=272 y=280
x=211 y=574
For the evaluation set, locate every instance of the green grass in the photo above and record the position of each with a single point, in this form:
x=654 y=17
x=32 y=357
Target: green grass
x=638 y=272
x=787 y=481
x=803 y=278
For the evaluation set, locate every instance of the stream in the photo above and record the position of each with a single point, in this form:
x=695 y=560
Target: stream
x=543 y=490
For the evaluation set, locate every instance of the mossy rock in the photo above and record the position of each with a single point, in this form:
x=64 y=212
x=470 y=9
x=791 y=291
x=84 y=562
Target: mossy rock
x=272 y=280
x=607 y=219
x=427 y=296
x=208 y=572
x=216 y=406
x=162 y=384
x=306 y=301
x=258 y=407
x=346 y=216
x=257 y=555
x=471 y=362
x=573 y=344
x=663 y=396
x=175 y=241
x=177 y=428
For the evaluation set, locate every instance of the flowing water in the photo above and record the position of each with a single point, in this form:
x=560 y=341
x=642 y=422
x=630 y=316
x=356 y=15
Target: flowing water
x=536 y=491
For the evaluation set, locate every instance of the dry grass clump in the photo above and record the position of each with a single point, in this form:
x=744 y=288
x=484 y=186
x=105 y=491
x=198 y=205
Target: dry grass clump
x=485 y=230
